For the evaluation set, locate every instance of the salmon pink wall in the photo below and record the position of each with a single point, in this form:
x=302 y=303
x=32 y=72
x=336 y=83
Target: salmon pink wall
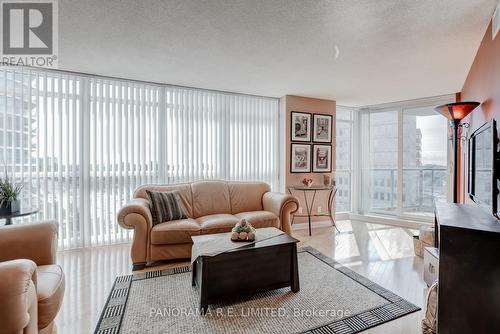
x=310 y=105
x=482 y=85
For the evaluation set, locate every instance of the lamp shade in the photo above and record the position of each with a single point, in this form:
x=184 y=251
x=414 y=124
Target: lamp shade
x=456 y=111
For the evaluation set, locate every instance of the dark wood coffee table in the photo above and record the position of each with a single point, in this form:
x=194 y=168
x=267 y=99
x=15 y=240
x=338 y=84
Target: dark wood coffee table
x=262 y=266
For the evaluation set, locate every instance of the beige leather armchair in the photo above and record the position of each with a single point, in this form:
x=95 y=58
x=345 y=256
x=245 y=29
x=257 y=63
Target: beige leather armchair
x=211 y=207
x=31 y=284
x=429 y=322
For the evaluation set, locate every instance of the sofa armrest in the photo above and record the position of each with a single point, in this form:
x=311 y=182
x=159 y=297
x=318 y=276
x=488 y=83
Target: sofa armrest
x=429 y=323
x=138 y=206
x=18 y=300
x=136 y=215
x=36 y=242
x=282 y=205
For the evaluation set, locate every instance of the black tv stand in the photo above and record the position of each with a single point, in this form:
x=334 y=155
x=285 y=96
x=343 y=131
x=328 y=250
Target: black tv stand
x=469 y=269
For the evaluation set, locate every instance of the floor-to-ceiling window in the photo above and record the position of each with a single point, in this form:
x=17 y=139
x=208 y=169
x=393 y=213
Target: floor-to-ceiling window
x=403 y=155
x=343 y=157
x=80 y=144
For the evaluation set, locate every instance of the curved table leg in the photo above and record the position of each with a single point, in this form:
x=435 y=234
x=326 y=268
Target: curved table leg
x=331 y=198
x=293 y=215
x=310 y=206
x=310 y=209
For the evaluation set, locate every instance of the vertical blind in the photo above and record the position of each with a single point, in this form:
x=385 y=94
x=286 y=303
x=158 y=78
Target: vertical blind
x=80 y=145
x=211 y=135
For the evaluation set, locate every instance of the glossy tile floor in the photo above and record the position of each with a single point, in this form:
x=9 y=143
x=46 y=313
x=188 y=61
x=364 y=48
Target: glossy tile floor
x=381 y=253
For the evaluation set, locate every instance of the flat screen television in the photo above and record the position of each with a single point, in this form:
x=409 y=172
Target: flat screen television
x=484 y=167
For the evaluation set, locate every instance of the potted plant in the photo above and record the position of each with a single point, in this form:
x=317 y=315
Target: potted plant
x=9 y=196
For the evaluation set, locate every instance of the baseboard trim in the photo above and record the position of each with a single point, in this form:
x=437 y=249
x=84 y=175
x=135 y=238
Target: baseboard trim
x=400 y=222
x=301 y=223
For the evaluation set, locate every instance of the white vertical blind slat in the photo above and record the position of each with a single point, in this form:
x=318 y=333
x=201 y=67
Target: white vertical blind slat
x=46 y=145
x=112 y=208
x=5 y=126
x=119 y=149
x=64 y=172
x=74 y=162
x=93 y=153
x=29 y=144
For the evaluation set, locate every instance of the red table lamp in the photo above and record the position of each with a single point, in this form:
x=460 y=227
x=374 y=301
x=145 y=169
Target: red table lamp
x=455 y=112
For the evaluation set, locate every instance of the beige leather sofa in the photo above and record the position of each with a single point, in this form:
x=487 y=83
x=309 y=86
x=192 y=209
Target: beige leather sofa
x=212 y=207
x=31 y=284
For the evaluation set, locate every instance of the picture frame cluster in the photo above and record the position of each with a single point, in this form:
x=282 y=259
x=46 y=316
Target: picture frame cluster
x=311 y=137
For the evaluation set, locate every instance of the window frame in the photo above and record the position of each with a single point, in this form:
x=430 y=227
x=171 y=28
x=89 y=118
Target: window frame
x=363 y=203
x=350 y=170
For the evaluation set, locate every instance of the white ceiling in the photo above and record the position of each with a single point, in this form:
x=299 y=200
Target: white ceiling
x=388 y=50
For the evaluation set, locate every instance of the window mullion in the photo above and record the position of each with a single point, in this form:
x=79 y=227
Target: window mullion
x=399 y=188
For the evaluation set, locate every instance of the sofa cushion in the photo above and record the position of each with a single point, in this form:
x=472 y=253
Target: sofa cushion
x=218 y=223
x=247 y=196
x=209 y=198
x=165 y=206
x=174 y=232
x=260 y=219
x=50 y=292
x=184 y=190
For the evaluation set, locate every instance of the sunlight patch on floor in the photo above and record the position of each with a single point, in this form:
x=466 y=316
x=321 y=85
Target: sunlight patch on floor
x=392 y=243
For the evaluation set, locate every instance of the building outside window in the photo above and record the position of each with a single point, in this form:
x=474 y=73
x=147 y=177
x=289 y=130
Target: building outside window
x=383 y=148
x=424 y=160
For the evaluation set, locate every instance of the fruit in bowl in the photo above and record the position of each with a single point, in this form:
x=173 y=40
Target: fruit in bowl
x=243 y=231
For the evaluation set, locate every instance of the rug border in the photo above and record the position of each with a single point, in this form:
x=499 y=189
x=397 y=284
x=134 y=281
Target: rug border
x=354 y=324
x=396 y=307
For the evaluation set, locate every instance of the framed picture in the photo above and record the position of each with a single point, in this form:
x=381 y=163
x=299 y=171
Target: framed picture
x=301 y=126
x=322 y=128
x=322 y=158
x=300 y=158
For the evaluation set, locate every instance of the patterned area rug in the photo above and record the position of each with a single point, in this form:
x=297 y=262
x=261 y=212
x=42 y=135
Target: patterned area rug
x=332 y=299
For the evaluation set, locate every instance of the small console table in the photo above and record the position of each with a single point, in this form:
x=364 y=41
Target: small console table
x=332 y=192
